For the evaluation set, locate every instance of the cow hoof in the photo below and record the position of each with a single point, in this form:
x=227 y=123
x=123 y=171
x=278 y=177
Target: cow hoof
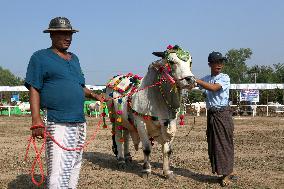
x=146 y=174
x=128 y=158
x=170 y=175
x=121 y=165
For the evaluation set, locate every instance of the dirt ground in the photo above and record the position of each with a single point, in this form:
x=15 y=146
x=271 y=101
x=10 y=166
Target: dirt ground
x=259 y=157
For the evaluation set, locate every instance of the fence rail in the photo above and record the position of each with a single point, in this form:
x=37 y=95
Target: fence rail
x=248 y=110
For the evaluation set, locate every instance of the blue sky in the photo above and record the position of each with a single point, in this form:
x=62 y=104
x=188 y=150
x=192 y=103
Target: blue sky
x=119 y=36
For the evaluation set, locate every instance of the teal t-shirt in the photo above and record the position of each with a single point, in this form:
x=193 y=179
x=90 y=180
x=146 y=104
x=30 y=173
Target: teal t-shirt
x=60 y=84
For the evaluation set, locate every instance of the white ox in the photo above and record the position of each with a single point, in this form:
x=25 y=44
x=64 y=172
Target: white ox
x=94 y=107
x=198 y=107
x=151 y=112
x=24 y=106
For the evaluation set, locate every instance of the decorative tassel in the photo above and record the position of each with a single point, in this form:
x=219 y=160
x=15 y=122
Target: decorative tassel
x=181 y=123
x=119 y=126
x=119 y=119
x=103 y=114
x=121 y=140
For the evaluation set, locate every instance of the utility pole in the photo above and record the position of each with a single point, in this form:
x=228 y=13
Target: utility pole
x=255 y=74
x=254 y=104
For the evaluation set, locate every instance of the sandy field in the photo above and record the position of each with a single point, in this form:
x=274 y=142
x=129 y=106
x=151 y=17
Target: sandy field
x=259 y=157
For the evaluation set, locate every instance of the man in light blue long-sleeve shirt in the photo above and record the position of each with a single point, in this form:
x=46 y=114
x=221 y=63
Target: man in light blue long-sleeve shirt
x=220 y=125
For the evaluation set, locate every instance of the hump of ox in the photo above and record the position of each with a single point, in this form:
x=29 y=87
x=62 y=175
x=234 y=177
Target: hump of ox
x=147 y=108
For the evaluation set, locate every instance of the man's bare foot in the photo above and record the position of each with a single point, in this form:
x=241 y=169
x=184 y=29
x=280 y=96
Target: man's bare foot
x=225 y=181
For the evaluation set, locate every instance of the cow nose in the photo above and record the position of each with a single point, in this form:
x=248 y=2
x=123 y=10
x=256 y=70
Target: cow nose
x=190 y=79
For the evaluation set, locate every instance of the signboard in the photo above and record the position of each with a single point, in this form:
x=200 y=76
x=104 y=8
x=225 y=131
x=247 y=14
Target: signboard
x=249 y=95
x=15 y=98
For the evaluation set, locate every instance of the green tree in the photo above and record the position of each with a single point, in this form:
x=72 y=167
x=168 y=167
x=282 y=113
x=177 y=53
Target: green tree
x=9 y=79
x=279 y=72
x=236 y=66
x=194 y=96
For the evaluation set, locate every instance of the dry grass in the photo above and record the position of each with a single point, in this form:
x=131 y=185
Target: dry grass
x=259 y=157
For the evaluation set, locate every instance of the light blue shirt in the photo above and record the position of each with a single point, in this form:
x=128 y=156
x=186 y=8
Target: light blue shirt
x=219 y=98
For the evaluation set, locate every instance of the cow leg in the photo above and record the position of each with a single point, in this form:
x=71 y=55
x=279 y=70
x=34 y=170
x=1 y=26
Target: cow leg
x=114 y=147
x=120 y=149
x=127 y=156
x=146 y=146
x=167 y=151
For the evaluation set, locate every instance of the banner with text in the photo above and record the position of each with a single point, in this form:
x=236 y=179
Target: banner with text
x=249 y=95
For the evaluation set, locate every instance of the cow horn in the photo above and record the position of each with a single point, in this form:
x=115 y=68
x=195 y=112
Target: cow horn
x=159 y=54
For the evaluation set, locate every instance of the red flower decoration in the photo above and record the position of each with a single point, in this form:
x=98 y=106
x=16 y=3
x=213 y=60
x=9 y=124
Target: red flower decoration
x=129 y=74
x=181 y=116
x=103 y=114
x=170 y=47
x=120 y=90
x=146 y=117
x=169 y=69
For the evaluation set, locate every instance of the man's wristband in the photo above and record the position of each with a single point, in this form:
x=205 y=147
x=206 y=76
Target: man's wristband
x=37 y=126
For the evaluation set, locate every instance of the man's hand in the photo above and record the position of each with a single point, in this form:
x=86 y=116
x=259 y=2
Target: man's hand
x=98 y=97
x=38 y=133
x=37 y=129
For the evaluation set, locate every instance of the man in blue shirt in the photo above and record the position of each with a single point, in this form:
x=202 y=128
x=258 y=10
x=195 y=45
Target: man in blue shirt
x=57 y=85
x=220 y=125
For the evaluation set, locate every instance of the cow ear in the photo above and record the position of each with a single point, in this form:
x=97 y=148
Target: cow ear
x=159 y=54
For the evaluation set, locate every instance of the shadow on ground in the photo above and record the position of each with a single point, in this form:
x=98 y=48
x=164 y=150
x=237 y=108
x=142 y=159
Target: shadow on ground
x=107 y=161
x=24 y=182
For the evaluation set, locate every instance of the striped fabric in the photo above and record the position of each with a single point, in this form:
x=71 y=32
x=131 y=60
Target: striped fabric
x=63 y=167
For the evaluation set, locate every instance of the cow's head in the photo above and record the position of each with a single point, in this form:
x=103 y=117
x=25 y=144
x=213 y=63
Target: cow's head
x=177 y=63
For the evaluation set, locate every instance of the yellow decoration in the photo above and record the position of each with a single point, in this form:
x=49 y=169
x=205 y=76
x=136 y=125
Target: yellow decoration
x=119 y=119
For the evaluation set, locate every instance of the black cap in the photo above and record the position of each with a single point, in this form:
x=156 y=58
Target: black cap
x=216 y=56
x=60 y=24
